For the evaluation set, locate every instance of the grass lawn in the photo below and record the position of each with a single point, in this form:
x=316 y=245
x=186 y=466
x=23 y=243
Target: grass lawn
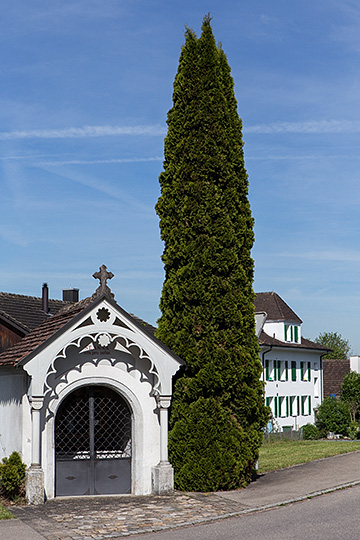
x=280 y=454
x=4 y=513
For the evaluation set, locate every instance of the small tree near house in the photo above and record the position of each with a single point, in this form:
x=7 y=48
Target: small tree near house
x=350 y=393
x=207 y=307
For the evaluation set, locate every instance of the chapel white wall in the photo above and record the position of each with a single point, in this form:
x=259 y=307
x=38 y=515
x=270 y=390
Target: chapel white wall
x=12 y=391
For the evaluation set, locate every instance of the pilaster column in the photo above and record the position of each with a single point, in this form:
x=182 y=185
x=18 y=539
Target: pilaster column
x=164 y=404
x=35 y=474
x=36 y=406
x=163 y=474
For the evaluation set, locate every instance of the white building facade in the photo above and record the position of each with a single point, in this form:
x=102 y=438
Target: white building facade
x=292 y=365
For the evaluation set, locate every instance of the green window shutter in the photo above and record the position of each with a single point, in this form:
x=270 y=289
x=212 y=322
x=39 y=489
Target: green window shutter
x=298 y=405
x=293 y=370
x=286 y=370
x=275 y=407
x=285 y=331
x=309 y=371
x=303 y=398
x=296 y=332
x=290 y=405
x=267 y=372
x=267 y=401
x=280 y=406
x=287 y=405
x=309 y=403
x=302 y=370
x=291 y=333
x=278 y=370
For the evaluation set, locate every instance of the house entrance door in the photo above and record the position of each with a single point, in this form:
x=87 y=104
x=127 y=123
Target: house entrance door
x=93 y=443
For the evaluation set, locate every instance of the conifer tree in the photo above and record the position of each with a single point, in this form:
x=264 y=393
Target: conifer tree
x=207 y=298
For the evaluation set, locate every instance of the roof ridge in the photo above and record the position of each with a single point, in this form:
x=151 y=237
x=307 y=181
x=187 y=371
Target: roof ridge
x=3 y=293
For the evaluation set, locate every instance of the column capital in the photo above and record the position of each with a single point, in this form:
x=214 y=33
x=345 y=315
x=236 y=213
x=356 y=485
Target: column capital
x=163 y=401
x=36 y=402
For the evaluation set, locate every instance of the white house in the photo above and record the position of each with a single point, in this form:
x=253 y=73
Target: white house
x=84 y=398
x=292 y=365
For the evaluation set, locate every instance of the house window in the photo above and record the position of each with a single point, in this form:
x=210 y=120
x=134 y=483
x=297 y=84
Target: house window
x=303 y=405
x=309 y=371
x=267 y=370
x=286 y=369
x=296 y=334
x=293 y=370
x=275 y=407
x=291 y=333
x=316 y=387
x=282 y=406
x=278 y=370
x=291 y=405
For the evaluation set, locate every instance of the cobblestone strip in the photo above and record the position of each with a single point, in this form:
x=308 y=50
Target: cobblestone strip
x=112 y=517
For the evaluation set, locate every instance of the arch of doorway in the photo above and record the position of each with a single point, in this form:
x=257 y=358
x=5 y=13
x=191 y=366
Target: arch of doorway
x=138 y=482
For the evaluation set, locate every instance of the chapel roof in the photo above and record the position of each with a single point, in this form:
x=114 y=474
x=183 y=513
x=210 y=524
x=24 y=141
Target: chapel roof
x=275 y=308
x=39 y=335
x=25 y=312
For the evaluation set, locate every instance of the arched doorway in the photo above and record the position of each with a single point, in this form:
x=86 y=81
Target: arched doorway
x=93 y=443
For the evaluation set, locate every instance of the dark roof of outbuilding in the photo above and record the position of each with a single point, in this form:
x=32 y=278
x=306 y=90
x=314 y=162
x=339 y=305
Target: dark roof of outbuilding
x=275 y=307
x=40 y=334
x=25 y=312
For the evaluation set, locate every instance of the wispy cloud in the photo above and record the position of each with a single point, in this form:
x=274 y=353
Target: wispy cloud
x=347 y=256
x=101 y=161
x=321 y=126
x=107 y=188
x=82 y=132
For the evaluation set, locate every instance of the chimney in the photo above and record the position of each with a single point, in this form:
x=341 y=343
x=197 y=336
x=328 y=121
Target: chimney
x=70 y=295
x=45 y=298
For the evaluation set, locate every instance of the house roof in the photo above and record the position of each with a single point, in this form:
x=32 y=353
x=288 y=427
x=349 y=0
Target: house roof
x=269 y=341
x=25 y=312
x=40 y=334
x=275 y=308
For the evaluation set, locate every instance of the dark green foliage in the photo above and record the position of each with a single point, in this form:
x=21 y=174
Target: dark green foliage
x=207 y=298
x=12 y=474
x=340 y=346
x=350 y=393
x=310 y=432
x=332 y=416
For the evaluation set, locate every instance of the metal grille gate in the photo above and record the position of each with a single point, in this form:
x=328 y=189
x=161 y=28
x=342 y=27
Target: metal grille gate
x=93 y=443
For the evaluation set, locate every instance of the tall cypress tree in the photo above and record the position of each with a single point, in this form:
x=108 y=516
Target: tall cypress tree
x=207 y=298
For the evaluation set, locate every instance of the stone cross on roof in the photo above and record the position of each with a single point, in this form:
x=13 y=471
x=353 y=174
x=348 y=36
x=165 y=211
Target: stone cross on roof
x=103 y=275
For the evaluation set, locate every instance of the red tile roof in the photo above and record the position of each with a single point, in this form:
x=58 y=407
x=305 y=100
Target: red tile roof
x=39 y=335
x=26 y=312
x=275 y=308
x=265 y=339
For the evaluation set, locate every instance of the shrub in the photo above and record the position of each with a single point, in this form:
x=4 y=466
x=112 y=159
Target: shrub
x=354 y=430
x=310 y=432
x=332 y=415
x=12 y=474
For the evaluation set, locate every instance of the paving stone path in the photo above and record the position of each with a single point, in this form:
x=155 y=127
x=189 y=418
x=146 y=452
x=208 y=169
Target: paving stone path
x=101 y=518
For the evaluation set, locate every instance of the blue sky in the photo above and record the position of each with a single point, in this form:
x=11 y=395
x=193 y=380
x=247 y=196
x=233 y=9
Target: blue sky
x=84 y=92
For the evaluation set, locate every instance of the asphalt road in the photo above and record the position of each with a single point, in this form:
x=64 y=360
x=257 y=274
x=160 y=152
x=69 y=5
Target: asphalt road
x=335 y=516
